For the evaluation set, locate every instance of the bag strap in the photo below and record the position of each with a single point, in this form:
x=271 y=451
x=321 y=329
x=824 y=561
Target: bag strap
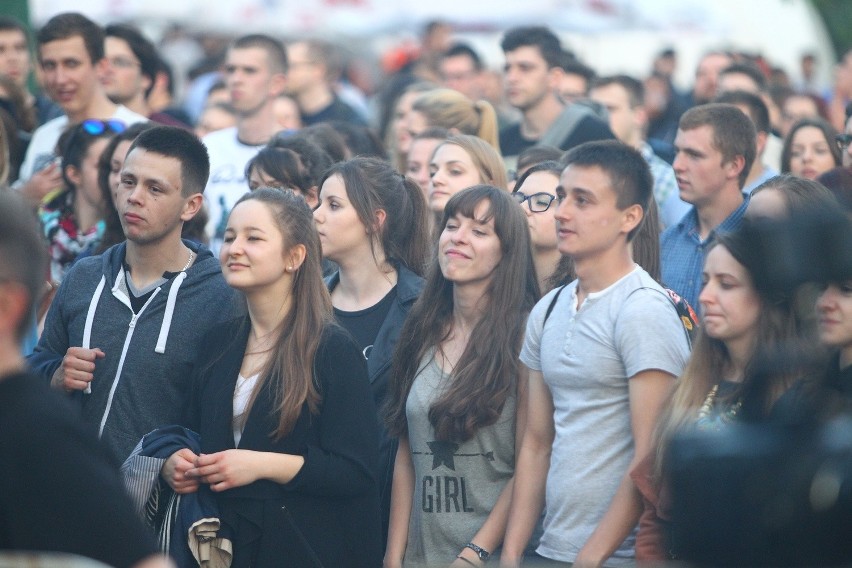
x=552 y=304
x=684 y=311
x=565 y=124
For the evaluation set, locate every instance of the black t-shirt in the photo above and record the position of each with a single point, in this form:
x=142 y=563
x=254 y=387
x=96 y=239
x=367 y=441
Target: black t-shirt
x=337 y=110
x=364 y=325
x=60 y=493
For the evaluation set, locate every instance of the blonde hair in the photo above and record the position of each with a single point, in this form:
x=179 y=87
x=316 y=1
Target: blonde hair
x=487 y=160
x=446 y=108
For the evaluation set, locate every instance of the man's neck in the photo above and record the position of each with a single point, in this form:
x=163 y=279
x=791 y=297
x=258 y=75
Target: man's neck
x=603 y=270
x=538 y=119
x=259 y=127
x=99 y=107
x=315 y=99
x=757 y=170
x=711 y=215
x=149 y=262
x=138 y=105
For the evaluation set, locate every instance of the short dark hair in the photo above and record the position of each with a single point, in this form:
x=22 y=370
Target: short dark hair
x=23 y=258
x=734 y=134
x=634 y=87
x=573 y=66
x=628 y=172
x=326 y=54
x=462 y=49
x=10 y=23
x=72 y=24
x=142 y=48
x=757 y=111
x=534 y=36
x=174 y=142
x=751 y=71
x=275 y=50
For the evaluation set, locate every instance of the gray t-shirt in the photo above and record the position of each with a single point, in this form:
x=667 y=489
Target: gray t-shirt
x=587 y=357
x=456 y=483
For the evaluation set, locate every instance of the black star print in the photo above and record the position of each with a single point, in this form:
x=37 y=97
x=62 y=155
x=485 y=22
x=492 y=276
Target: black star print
x=442 y=453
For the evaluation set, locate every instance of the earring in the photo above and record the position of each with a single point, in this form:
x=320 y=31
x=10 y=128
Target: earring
x=289 y=269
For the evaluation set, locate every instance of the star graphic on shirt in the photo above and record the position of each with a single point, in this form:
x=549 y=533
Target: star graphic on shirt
x=442 y=453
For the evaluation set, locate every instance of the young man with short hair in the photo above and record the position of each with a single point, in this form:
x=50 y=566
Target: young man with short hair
x=624 y=99
x=602 y=354
x=716 y=146
x=124 y=328
x=71 y=57
x=60 y=493
x=255 y=74
x=461 y=70
x=531 y=78
x=753 y=107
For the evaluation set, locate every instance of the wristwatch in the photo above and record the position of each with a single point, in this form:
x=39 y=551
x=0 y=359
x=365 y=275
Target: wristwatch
x=480 y=552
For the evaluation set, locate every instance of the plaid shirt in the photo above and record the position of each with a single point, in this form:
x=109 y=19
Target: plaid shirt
x=682 y=252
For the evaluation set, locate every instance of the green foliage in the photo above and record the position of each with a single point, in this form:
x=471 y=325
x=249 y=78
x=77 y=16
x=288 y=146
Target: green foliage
x=837 y=15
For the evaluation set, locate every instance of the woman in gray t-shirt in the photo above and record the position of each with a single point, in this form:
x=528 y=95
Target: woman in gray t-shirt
x=455 y=399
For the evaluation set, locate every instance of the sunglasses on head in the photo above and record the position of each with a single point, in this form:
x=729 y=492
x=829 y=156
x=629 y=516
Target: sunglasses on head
x=97 y=127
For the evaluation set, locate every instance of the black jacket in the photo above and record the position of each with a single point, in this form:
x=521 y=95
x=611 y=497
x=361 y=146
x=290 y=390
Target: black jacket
x=408 y=288
x=332 y=503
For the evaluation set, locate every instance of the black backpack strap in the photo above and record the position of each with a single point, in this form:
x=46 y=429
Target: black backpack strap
x=552 y=304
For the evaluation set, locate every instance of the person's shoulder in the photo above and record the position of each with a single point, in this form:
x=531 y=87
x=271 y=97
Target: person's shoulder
x=512 y=130
x=128 y=116
x=219 y=137
x=52 y=127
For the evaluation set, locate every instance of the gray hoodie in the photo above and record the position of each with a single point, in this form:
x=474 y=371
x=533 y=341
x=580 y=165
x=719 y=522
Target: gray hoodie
x=143 y=382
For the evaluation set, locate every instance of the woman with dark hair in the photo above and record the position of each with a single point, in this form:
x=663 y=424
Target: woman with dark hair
x=810 y=149
x=73 y=219
x=373 y=223
x=281 y=401
x=788 y=196
x=730 y=375
x=457 y=396
x=536 y=192
x=282 y=167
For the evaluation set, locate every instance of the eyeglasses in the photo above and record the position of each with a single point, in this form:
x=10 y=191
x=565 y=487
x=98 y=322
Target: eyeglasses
x=843 y=141
x=123 y=63
x=537 y=202
x=97 y=127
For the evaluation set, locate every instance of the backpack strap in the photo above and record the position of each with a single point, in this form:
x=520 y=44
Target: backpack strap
x=552 y=304
x=685 y=313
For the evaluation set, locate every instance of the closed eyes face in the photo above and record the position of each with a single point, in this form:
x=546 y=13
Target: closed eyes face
x=469 y=249
x=253 y=249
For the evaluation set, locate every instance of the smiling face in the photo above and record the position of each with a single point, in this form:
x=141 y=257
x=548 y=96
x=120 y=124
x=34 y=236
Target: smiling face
x=70 y=77
x=253 y=254
x=542 y=224
x=810 y=153
x=834 y=307
x=469 y=250
x=342 y=234
x=730 y=306
x=452 y=170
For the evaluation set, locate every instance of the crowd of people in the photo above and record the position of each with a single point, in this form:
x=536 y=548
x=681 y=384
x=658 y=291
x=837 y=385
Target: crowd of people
x=277 y=323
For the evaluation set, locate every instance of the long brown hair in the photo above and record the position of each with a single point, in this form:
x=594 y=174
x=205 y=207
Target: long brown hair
x=778 y=330
x=289 y=369
x=487 y=371
x=372 y=184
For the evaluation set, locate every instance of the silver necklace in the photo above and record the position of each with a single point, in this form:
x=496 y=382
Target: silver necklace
x=188 y=262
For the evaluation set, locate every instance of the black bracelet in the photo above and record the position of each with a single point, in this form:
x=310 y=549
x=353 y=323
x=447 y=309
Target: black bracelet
x=460 y=557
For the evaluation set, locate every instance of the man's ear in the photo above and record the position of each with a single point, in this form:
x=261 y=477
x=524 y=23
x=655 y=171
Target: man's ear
x=734 y=166
x=631 y=218
x=192 y=205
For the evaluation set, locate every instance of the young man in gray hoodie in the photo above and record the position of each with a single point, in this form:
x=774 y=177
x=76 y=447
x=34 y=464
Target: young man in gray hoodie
x=124 y=328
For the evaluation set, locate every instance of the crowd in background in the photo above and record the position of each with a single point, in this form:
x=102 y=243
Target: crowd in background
x=444 y=316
